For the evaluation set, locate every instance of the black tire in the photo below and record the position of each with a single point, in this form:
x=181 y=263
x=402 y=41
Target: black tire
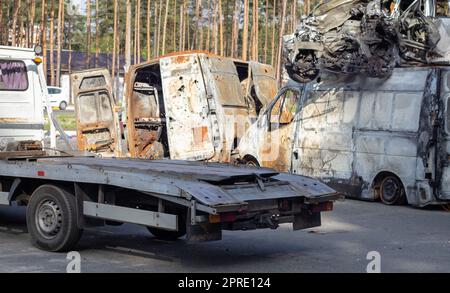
x=304 y=70
x=170 y=235
x=52 y=219
x=392 y=191
x=63 y=106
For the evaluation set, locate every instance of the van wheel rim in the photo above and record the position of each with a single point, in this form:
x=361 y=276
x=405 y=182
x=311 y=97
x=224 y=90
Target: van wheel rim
x=390 y=189
x=48 y=219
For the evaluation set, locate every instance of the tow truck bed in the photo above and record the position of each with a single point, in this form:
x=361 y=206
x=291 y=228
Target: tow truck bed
x=158 y=194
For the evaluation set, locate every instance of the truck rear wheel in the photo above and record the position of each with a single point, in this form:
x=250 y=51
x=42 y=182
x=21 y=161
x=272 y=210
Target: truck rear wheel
x=52 y=219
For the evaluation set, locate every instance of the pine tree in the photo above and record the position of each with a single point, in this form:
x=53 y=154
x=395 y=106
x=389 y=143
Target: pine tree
x=14 y=22
x=59 y=41
x=166 y=15
x=88 y=33
x=149 y=19
x=128 y=35
x=245 y=32
x=97 y=32
x=52 y=42
x=280 y=40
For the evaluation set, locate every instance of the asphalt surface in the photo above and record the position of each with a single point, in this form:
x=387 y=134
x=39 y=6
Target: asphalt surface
x=408 y=240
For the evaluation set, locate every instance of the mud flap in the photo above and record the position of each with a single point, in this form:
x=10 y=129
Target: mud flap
x=306 y=220
x=203 y=232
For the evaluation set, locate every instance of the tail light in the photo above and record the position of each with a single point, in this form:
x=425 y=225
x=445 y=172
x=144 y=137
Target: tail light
x=284 y=205
x=323 y=207
x=222 y=218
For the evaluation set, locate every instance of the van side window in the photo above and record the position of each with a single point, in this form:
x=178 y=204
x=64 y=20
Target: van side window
x=285 y=108
x=93 y=82
x=13 y=76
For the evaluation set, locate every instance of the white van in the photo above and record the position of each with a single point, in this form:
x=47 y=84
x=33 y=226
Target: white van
x=21 y=99
x=368 y=138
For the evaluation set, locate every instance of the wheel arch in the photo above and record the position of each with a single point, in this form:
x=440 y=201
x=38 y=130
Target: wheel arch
x=251 y=158
x=23 y=188
x=380 y=176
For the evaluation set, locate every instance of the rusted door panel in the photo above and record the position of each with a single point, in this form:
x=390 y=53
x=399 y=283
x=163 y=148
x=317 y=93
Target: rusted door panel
x=223 y=80
x=186 y=105
x=265 y=82
x=232 y=111
x=94 y=108
x=445 y=148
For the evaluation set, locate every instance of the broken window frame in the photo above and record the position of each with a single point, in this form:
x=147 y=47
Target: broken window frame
x=282 y=95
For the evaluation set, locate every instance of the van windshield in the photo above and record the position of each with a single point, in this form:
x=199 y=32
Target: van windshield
x=13 y=76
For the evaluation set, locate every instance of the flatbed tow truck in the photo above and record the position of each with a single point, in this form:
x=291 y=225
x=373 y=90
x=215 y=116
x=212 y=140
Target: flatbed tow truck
x=173 y=198
x=67 y=191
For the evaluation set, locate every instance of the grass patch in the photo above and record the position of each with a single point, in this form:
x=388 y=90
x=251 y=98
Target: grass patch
x=66 y=120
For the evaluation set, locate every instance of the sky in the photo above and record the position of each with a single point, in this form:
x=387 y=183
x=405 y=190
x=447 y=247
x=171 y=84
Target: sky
x=79 y=3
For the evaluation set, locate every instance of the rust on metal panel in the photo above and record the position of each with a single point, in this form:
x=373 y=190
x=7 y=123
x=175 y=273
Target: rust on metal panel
x=226 y=81
x=264 y=81
x=142 y=65
x=181 y=59
x=193 y=105
x=186 y=105
x=94 y=107
x=13 y=120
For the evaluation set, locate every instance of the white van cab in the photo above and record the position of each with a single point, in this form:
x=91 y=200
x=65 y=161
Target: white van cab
x=23 y=91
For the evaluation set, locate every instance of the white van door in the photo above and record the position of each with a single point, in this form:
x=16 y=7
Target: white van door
x=186 y=104
x=21 y=110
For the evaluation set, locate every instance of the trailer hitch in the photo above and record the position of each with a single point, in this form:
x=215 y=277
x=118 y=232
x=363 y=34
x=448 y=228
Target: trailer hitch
x=270 y=221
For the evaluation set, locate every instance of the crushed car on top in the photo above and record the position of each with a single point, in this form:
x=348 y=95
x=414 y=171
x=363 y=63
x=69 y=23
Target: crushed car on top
x=366 y=37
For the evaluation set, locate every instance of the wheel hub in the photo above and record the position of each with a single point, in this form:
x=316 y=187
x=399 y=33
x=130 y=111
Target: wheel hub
x=49 y=219
x=390 y=189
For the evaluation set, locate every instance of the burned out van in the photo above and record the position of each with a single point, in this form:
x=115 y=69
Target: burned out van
x=188 y=106
x=369 y=138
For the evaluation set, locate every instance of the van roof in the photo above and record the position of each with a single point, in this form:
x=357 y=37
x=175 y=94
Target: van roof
x=16 y=52
x=189 y=52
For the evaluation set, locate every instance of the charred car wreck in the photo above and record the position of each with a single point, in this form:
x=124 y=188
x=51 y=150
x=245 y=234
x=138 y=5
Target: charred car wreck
x=184 y=106
x=365 y=37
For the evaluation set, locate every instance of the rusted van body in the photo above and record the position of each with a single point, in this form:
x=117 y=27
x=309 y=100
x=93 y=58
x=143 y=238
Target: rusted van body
x=188 y=106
